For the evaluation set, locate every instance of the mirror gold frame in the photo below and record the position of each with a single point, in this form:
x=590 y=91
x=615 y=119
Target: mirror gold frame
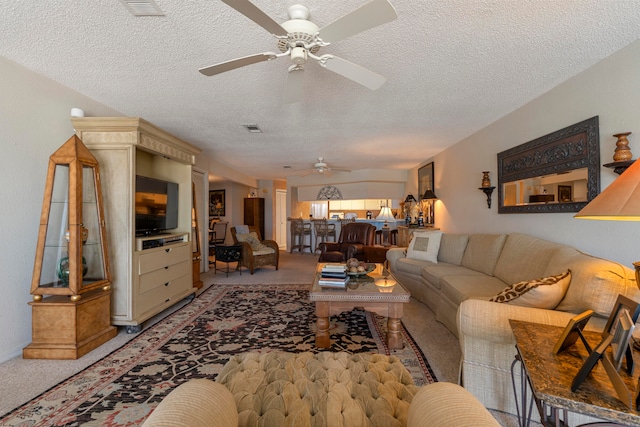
x=566 y=151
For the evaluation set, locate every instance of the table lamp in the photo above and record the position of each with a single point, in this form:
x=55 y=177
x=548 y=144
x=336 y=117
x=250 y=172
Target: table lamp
x=430 y=198
x=620 y=201
x=385 y=215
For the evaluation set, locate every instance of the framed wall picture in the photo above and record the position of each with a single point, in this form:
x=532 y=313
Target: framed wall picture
x=425 y=179
x=216 y=203
x=564 y=194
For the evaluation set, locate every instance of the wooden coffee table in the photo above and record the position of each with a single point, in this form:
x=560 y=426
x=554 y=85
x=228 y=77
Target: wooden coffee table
x=367 y=292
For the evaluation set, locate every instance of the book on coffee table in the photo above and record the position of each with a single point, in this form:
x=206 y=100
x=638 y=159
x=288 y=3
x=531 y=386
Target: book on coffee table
x=331 y=282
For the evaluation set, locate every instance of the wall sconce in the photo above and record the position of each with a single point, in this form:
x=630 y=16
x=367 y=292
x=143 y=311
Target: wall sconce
x=430 y=197
x=486 y=187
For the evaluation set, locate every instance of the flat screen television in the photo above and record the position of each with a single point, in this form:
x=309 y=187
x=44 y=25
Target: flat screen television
x=156 y=206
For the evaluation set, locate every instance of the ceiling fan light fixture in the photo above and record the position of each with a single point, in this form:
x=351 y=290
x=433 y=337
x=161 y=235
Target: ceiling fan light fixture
x=298 y=11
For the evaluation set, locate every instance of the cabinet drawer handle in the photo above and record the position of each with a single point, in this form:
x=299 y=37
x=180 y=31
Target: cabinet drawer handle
x=167 y=250
x=167 y=300
x=166 y=267
x=167 y=284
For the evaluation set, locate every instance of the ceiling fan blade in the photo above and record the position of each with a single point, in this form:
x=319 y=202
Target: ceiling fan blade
x=237 y=63
x=340 y=170
x=293 y=90
x=372 y=14
x=354 y=72
x=252 y=12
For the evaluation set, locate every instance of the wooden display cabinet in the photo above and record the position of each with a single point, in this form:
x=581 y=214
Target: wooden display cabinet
x=141 y=266
x=71 y=284
x=254 y=213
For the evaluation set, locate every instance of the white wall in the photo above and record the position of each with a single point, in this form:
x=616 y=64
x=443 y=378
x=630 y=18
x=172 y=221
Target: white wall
x=610 y=90
x=34 y=122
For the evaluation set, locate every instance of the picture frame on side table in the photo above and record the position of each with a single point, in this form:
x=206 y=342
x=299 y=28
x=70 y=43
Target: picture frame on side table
x=622 y=330
x=622 y=303
x=573 y=331
x=217 y=203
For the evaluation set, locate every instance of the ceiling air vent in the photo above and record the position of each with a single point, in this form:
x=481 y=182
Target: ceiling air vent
x=253 y=128
x=142 y=8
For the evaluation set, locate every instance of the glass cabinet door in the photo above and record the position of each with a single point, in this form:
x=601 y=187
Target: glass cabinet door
x=71 y=255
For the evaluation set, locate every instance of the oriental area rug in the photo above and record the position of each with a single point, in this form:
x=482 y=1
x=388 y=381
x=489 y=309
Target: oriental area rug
x=195 y=342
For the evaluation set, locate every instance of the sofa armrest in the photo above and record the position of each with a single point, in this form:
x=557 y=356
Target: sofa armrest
x=329 y=247
x=394 y=254
x=355 y=249
x=199 y=402
x=447 y=404
x=489 y=321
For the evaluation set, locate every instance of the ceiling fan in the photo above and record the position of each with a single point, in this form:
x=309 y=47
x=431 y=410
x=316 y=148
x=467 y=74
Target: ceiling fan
x=300 y=39
x=321 y=167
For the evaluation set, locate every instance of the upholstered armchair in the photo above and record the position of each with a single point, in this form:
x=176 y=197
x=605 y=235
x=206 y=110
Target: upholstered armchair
x=255 y=251
x=353 y=238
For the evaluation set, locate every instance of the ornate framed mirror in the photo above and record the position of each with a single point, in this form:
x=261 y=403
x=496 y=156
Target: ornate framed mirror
x=538 y=175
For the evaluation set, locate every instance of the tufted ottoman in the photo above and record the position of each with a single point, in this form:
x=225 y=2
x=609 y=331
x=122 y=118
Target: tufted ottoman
x=319 y=389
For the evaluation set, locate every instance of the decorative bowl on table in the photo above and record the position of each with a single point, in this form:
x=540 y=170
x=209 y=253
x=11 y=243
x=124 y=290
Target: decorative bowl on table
x=368 y=268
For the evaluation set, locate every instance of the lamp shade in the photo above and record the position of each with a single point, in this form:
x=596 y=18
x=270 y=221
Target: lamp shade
x=385 y=214
x=429 y=195
x=410 y=198
x=620 y=201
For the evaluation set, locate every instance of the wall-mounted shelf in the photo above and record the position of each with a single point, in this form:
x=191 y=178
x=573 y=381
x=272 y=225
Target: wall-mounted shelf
x=488 y=191
x=619 y=167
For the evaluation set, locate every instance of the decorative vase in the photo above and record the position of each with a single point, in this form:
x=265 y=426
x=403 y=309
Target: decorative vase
x=622 y=152
x=486 y=182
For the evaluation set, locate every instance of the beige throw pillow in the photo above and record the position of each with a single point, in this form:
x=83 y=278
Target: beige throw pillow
x=424 y=246
x=540 y=293
x=252 y=239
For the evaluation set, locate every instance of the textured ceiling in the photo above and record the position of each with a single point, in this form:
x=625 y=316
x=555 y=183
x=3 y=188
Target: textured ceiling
x=452 y=68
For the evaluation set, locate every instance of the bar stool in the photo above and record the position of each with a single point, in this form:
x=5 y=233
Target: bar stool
x=299 y=231
x=324 y=232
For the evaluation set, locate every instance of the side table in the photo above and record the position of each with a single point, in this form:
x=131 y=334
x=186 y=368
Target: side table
x=228 y=254
x=550 y=376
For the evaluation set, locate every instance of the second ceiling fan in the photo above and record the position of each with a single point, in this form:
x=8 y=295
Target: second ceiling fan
x=300 y=39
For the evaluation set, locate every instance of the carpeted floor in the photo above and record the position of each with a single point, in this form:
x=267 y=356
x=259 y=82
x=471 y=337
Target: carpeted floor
x=23 y=380
x=196 y=342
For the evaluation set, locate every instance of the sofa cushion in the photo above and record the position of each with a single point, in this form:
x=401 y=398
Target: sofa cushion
x=595 y=284
x=411 y=266
x=425 y=246
x=483 y=251
x=460 y=288
x=452 y=248
x=539 y=293
x=432 y=273
x=526 y=257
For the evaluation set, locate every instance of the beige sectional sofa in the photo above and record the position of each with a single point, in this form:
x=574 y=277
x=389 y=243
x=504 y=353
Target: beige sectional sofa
x=471 y=269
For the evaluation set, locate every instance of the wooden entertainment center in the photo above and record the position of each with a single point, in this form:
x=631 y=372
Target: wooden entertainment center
x=151 y=273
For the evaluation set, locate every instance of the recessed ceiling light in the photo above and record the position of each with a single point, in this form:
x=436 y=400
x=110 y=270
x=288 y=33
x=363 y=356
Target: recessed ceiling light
x=253 y=128
x=142 y=8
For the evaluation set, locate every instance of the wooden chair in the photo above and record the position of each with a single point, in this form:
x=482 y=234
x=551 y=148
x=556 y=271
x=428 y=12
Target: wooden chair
x=217 y=236
x=299 y=232
x=324 y=231
x=255 y=251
